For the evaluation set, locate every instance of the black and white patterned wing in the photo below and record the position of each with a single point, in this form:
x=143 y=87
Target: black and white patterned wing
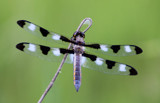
x=88 y=61
x=44 y=52
x=106 y=66
x=114 y=50
x=41 y=32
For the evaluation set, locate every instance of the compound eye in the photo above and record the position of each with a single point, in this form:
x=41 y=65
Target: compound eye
x=75 y=34
x=83 y=36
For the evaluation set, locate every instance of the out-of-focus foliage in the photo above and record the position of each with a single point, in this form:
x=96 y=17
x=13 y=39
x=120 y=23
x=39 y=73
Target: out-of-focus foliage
x=23 y=78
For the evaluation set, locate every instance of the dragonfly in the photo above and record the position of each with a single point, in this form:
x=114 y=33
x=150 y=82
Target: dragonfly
x=78 y=54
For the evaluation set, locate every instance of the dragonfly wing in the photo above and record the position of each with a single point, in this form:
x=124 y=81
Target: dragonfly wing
x=87 y=60
x=41 y=32
x=114 y=50
x=106 y=66
x=45 y=52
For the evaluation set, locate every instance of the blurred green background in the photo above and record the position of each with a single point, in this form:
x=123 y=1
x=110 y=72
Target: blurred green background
x=23 y=78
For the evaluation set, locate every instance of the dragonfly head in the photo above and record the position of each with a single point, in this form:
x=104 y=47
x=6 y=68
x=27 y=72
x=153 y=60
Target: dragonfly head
x=78 y=37
x=78 y=33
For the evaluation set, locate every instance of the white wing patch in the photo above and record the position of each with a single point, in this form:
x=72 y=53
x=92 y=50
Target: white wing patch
x=83 y=60
x=99 y=61
x=104 y=48
x=56 y=37
x=71 y=57
x=32 y=27
x=127 y=48
x=32 y=47
x=56 y=52
x=122 y=67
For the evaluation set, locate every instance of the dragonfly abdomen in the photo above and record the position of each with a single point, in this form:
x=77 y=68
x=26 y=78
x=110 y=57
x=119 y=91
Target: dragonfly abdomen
x=77 y=71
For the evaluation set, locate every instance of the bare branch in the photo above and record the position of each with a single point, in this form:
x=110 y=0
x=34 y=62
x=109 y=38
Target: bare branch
x=54 y=78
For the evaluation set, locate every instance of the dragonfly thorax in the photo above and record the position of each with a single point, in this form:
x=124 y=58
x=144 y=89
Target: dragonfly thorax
x=78 y=49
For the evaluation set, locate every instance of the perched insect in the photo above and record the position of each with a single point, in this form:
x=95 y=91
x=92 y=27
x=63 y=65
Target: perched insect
x=78 y=53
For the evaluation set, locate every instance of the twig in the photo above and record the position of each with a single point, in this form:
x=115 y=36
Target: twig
x=54 y=78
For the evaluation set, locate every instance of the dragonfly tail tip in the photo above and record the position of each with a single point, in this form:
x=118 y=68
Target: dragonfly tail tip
x=77 y=87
